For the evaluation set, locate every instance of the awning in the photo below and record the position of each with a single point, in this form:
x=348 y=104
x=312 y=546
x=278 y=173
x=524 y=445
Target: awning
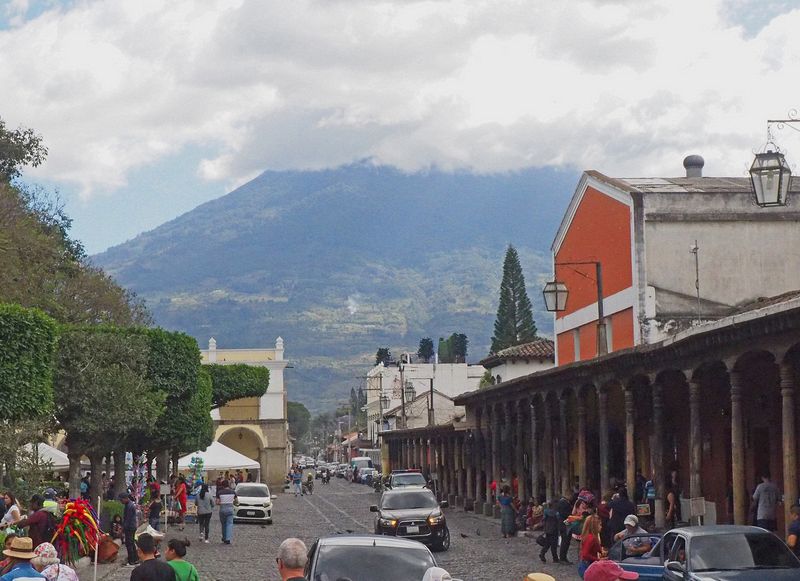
x=219 y=457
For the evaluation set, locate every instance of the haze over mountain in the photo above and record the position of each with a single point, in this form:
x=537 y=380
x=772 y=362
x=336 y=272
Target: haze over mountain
x=339 y=262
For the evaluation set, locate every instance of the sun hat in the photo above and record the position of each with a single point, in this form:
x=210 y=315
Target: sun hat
x=631 y=520
x=21 y=548
x=436 y=574
x=46 y=555
x=539 y=577
x=605 y=570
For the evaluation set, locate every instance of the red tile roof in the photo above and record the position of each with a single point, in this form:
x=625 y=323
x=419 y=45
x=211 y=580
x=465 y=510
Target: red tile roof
x=539 y=349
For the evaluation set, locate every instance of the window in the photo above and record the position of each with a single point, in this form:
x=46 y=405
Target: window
x=576 y=342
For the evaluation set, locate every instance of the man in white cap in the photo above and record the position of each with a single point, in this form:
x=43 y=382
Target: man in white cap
x=634 y=537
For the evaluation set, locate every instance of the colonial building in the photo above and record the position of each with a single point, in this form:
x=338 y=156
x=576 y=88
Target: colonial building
x=704 y=389
x=655 y=239
x=256 y=427
x=418 y=409
x=520 y=360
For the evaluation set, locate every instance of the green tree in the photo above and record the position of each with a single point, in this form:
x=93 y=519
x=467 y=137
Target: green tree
x=383 y=355
x=236 y=381
x=299 y=419
x=487 y=379
x=103 y=392
x=459 y=344
x=18 y=148
x=514 y=324
x=27 y=345
x=425 y=350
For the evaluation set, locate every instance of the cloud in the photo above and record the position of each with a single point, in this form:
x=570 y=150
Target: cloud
x=623 y=87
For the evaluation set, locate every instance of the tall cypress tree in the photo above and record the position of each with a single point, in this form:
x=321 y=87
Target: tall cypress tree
x=514 y=324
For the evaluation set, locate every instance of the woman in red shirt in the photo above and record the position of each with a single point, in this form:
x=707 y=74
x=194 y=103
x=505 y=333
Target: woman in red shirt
x=181 y=498
x=591 y=549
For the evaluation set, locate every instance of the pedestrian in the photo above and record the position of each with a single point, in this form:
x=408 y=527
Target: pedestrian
x=673 y=516
x=5 y=564
x=129 y=525
x=591 y=549
x=291 y=560
x=297 y=481
x=550 y=532
x=20 y=554
x=506 y=511
x=47 y=563
x=225 y=499
x=605 y=570
x=84 y=487
x=793 y=538
x=151 y=569
x=154 y=512
x=765 y=502
x=564 y=508
x=619 y=509
x=39 y=522
x=205 y=508
x=637 y=543
x=12 y=514
x=181 y=498
x=176 y=551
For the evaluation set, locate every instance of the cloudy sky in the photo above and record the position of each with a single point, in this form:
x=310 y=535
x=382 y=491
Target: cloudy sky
x=150 y=107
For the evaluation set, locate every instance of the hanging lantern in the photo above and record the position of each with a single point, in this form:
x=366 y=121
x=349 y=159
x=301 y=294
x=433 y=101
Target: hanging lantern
x=770 y=177
x=555 y=296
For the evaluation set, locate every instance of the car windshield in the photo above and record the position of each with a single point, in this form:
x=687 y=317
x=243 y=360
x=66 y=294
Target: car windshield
x=421 y=499
x=252 y=491
x=408 y=479
x=368 y=563
x=736 y=552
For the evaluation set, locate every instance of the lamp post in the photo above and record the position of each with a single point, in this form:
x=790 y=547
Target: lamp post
x=556 y=293
x=770 y=175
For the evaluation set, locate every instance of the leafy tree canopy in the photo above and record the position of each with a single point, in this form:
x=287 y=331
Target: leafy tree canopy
x=299 y=419
x=27 y=345
x=197 y=420
x=18 y=148
x=453 y=349
x=383 y=355
x=425 y=350
x=514 y=324
x=230 y=382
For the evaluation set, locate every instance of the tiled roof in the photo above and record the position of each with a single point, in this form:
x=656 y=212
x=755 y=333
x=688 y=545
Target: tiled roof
x=539 y=349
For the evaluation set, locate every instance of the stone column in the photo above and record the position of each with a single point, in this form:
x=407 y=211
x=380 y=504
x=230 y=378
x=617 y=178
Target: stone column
x=534 y=450
x=657 y=454
x=789 y=441
x=549 y=484
x=458 y=443
x=630 y=442
x=442 y=470
x=602 y=428
x=581 y=413
x=488 y=461
x=519 y=453
x=469 y=463
x=695 y=442
x=478 y=463
x=737 y=451
x=496 y=427
x=563 y=446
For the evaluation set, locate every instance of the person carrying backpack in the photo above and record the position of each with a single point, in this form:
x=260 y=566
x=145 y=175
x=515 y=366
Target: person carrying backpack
x=41 y=523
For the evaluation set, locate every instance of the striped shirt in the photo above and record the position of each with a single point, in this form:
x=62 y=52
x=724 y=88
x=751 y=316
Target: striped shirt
x=225 y=495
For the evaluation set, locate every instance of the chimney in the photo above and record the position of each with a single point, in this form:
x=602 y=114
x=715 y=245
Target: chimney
x=694 y=166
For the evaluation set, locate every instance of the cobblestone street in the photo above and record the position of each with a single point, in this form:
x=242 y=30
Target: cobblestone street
x=481 y=555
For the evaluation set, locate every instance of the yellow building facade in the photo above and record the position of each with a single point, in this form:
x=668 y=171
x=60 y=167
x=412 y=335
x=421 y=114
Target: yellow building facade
x=256 y=427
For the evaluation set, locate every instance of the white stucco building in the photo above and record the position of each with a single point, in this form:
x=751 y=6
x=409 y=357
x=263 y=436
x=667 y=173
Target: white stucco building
x=520 y=360
x=449 y=380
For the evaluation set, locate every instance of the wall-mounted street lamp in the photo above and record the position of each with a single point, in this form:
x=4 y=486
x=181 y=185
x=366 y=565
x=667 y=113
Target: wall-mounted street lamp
x=556 y=294
x=770 y=175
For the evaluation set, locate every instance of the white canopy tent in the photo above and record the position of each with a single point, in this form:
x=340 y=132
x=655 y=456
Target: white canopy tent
x=52 y=455
x=219 y=457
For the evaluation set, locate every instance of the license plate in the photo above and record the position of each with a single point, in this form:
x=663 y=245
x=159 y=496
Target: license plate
x=412 y=530
x=250 y=513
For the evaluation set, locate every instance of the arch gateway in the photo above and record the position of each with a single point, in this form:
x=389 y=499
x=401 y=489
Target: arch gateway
x=256 y=427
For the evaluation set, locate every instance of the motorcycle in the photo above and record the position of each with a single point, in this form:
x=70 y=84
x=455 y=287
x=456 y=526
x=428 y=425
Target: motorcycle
x=378 y=485
x=326 y=477
x=308 y=487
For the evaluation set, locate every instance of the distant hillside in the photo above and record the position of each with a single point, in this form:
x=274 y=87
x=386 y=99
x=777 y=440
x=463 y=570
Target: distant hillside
x=342 y=261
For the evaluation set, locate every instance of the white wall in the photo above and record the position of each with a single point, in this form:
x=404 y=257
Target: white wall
x=513 y=369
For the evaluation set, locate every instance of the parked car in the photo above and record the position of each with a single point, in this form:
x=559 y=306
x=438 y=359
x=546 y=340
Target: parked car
x=253 y=503
x=714 y=553
x=413 y=513
x=407 y=478
x=367 y=558
x=367 y=475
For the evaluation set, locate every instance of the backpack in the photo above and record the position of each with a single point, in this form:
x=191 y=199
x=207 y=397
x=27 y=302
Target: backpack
x=50 y=527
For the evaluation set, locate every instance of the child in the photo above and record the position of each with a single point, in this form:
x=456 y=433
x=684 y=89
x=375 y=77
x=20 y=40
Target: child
x=176 y=551
x=116 y=528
